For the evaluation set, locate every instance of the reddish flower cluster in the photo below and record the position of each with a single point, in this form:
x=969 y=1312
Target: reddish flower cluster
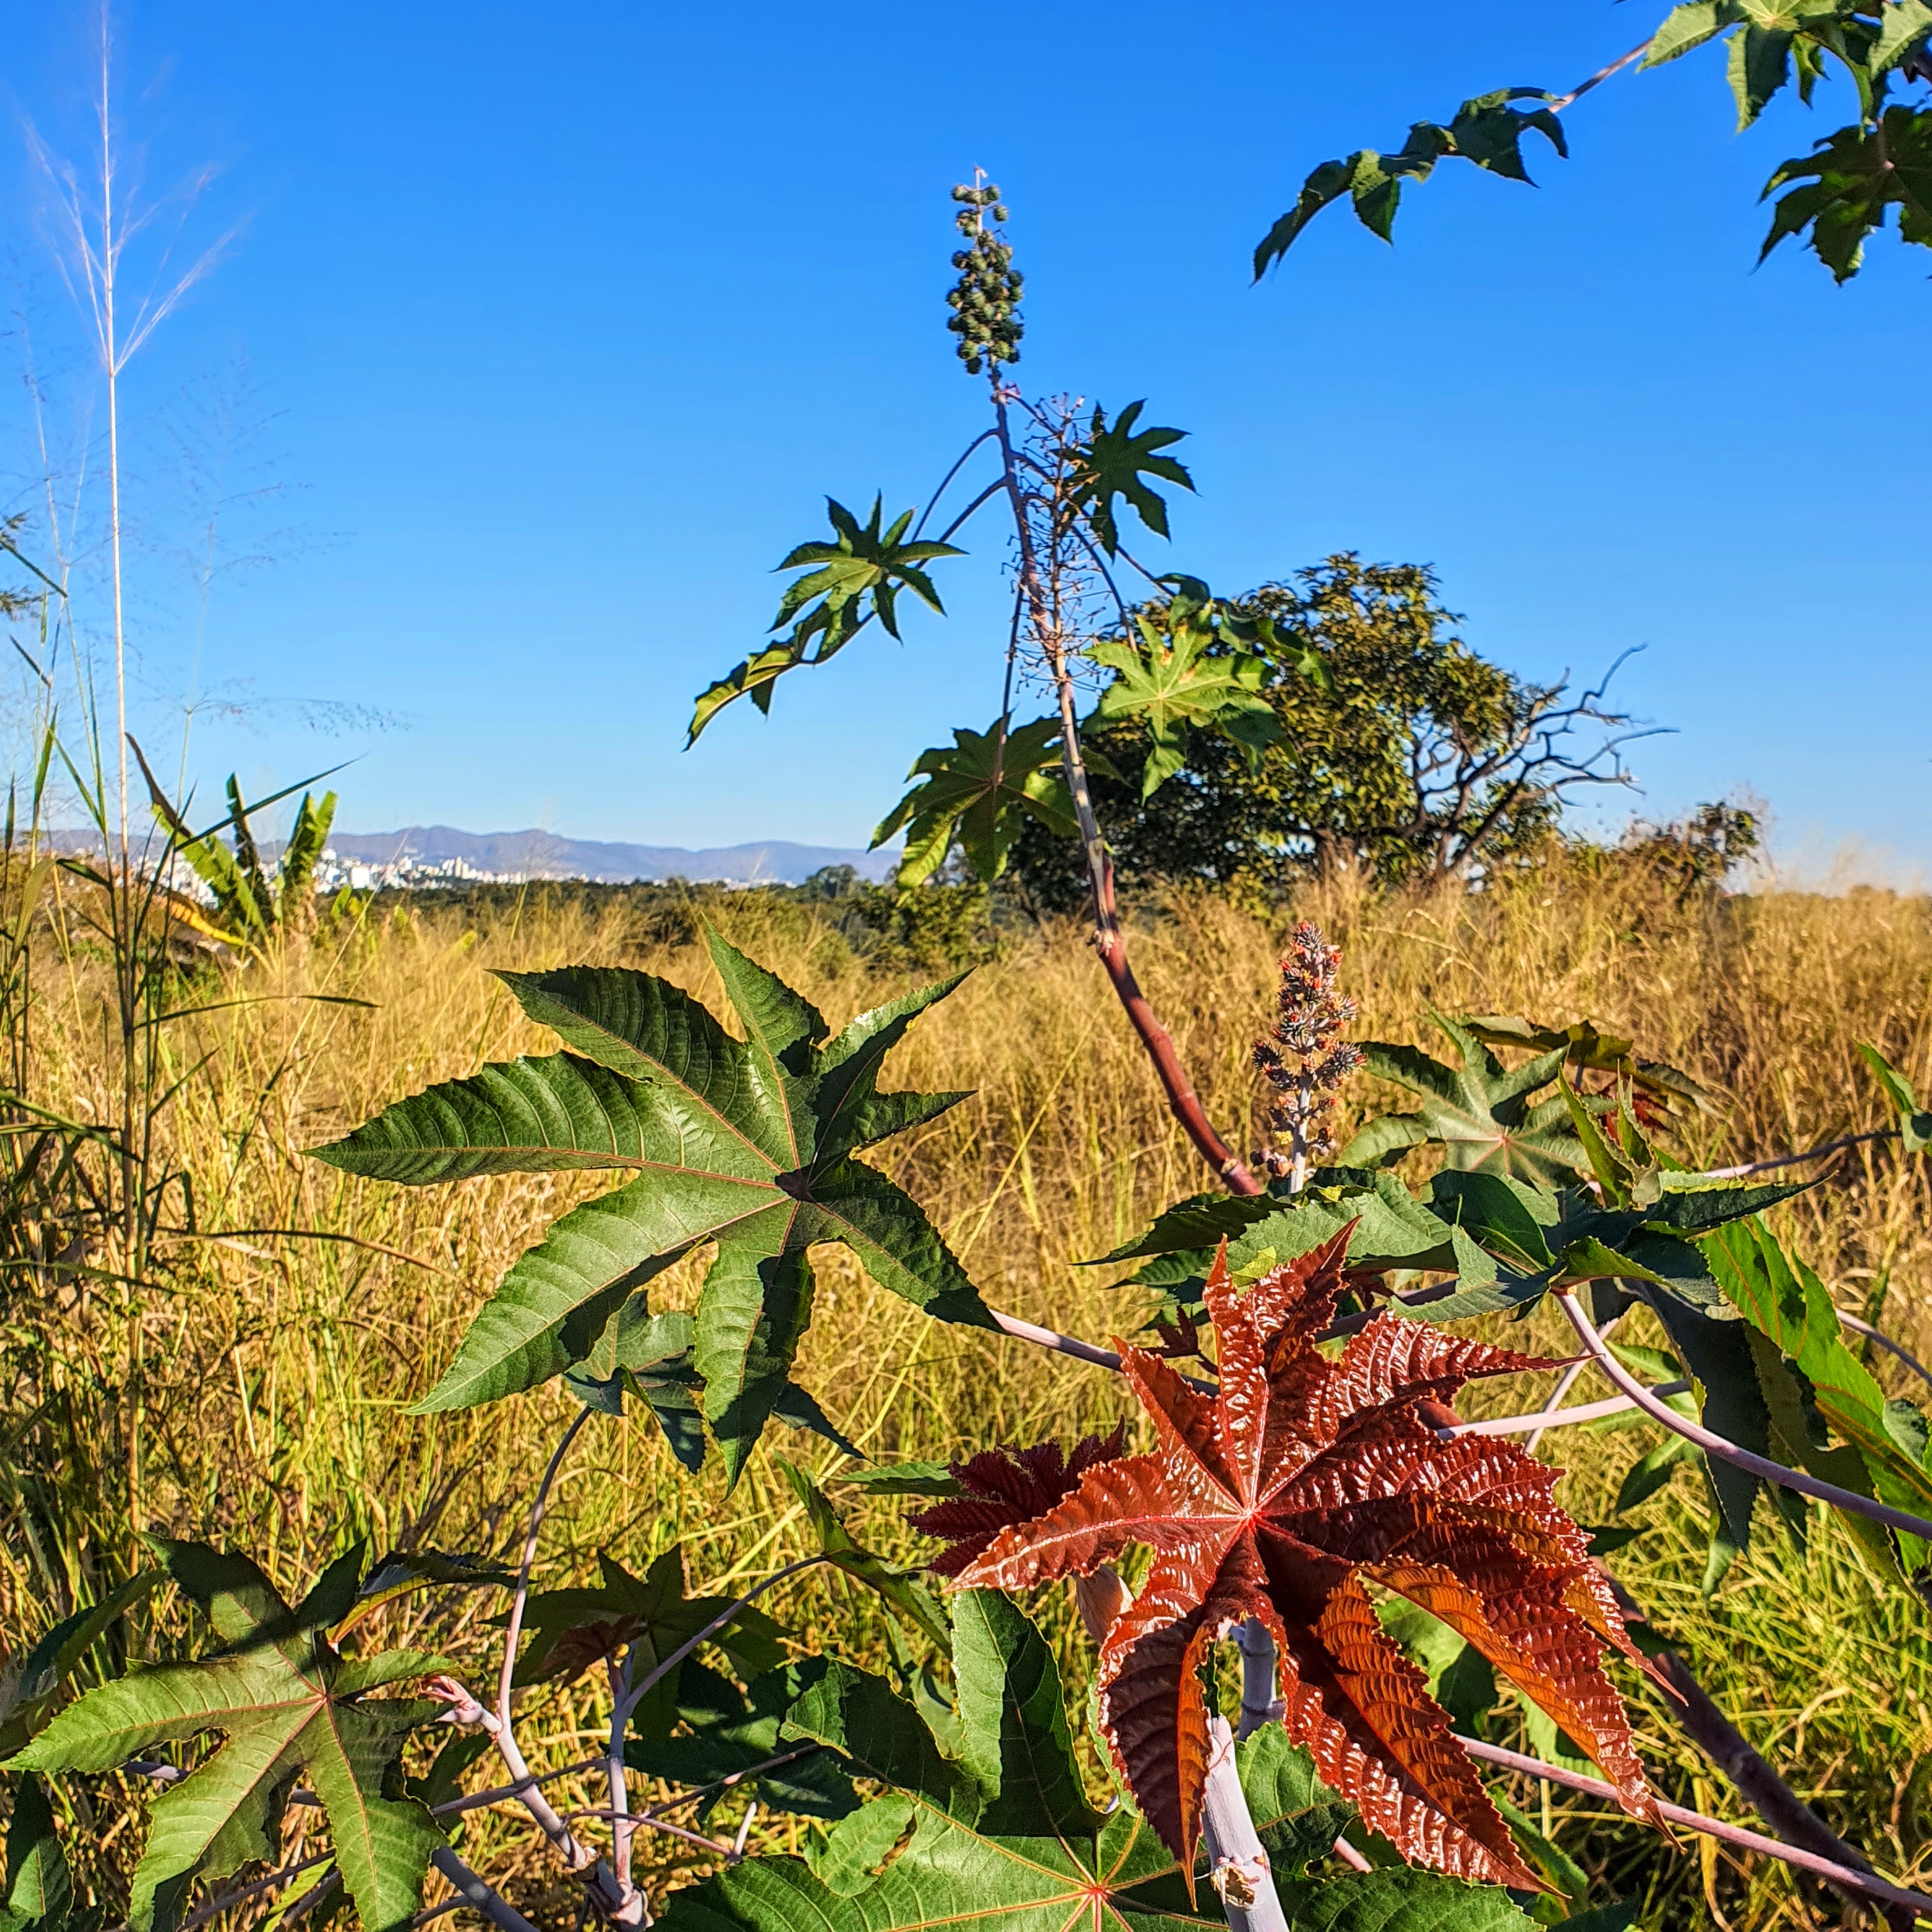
x=1303 y=1059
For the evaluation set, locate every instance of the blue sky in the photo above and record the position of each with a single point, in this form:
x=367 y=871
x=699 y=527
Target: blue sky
x=548 y=333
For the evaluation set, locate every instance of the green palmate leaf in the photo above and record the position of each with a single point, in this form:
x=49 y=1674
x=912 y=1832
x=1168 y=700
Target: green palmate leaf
x=1507 y=1218
x=404 y=1572
x=1652 y=1471
x=1768 y=38
x=1114 y=463
x=1389 y=1229
x=1297 y=1817
x=288 y=1704
x=1915 y=1122
x=1686 y=27
x=900 y=1588
x=1487 y=131
x=1589 y=1260
x=906 y=1479
x=1717 y=1356
x=1399 y=1899
x=846 y=1858
x=1002 y=1837
x=1484 y=1117
x=1626 y=1176
x=1842 y=192
x=1758 y=65
x=728 y=1743
x=1691 y=1206
x=846 y=583
x=748 y=1144
x=979 y=794
x=650 y=1356
x=644 y=1619
x=1618 y=1915
x=1903 y=25
x=1196 y=1223
x=653 y=1358
x=1459 y=1677
x=1183 y=675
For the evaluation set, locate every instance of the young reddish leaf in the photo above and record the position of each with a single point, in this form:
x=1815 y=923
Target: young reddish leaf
x=1005 y=1486
x=1282 y=1496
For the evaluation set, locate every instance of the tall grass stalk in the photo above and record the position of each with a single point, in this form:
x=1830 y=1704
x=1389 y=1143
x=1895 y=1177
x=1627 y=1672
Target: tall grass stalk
x=123 y=903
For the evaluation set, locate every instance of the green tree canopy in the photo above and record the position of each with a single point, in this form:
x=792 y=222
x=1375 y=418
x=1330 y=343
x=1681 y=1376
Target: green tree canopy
x=1420 y=757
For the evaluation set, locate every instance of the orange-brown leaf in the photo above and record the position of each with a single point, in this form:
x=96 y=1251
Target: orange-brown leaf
x=1279 y=1497
x=1007 y=1487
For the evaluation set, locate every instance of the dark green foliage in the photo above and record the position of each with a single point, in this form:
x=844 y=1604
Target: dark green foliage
x=1114 y=463
x=405 y=1573
x=748 y=1144
x=1915 y=1122
x=29 y=1697
x=654 y=1358
x=1842 y=191
x=1193 y=664
x=724 y=1732
x=643 y=1619
x=848 y=582
x=39 y=1887
x=1848 y=185
x=288 y=1704
x=1397 y=751
x=907 y=1597
x=1792 y=1370
x=1483 y=1117
x=1487 y=131
x=979 y=794
x=1002 y=1834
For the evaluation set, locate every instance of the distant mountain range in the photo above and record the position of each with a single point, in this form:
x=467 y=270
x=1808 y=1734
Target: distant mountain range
x=544 y=855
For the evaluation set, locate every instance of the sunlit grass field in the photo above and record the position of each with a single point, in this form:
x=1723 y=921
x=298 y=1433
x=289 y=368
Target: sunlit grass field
x=286 y=1336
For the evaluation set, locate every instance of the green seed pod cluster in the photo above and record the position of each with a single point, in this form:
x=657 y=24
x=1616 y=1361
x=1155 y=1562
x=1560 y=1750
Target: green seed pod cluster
x=985 y=300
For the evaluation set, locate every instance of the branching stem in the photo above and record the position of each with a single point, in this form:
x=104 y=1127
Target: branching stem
x=1109 y=941
x=1846 y=1878
x=638 y=1695
x=515 y=1630
x=1761 y=1466
x=498 y=1909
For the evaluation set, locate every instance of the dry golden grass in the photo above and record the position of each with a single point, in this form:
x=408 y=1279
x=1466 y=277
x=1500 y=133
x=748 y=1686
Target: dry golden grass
x=279 y=1366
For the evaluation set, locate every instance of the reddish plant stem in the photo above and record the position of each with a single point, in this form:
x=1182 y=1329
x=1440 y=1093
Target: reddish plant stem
x=1182 y=1100
x=1109 y=941
x=1726 y=1451
x=1847 y=1878
x=1760 y=1787
x=1755 y=1781
x=1751 y=1167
